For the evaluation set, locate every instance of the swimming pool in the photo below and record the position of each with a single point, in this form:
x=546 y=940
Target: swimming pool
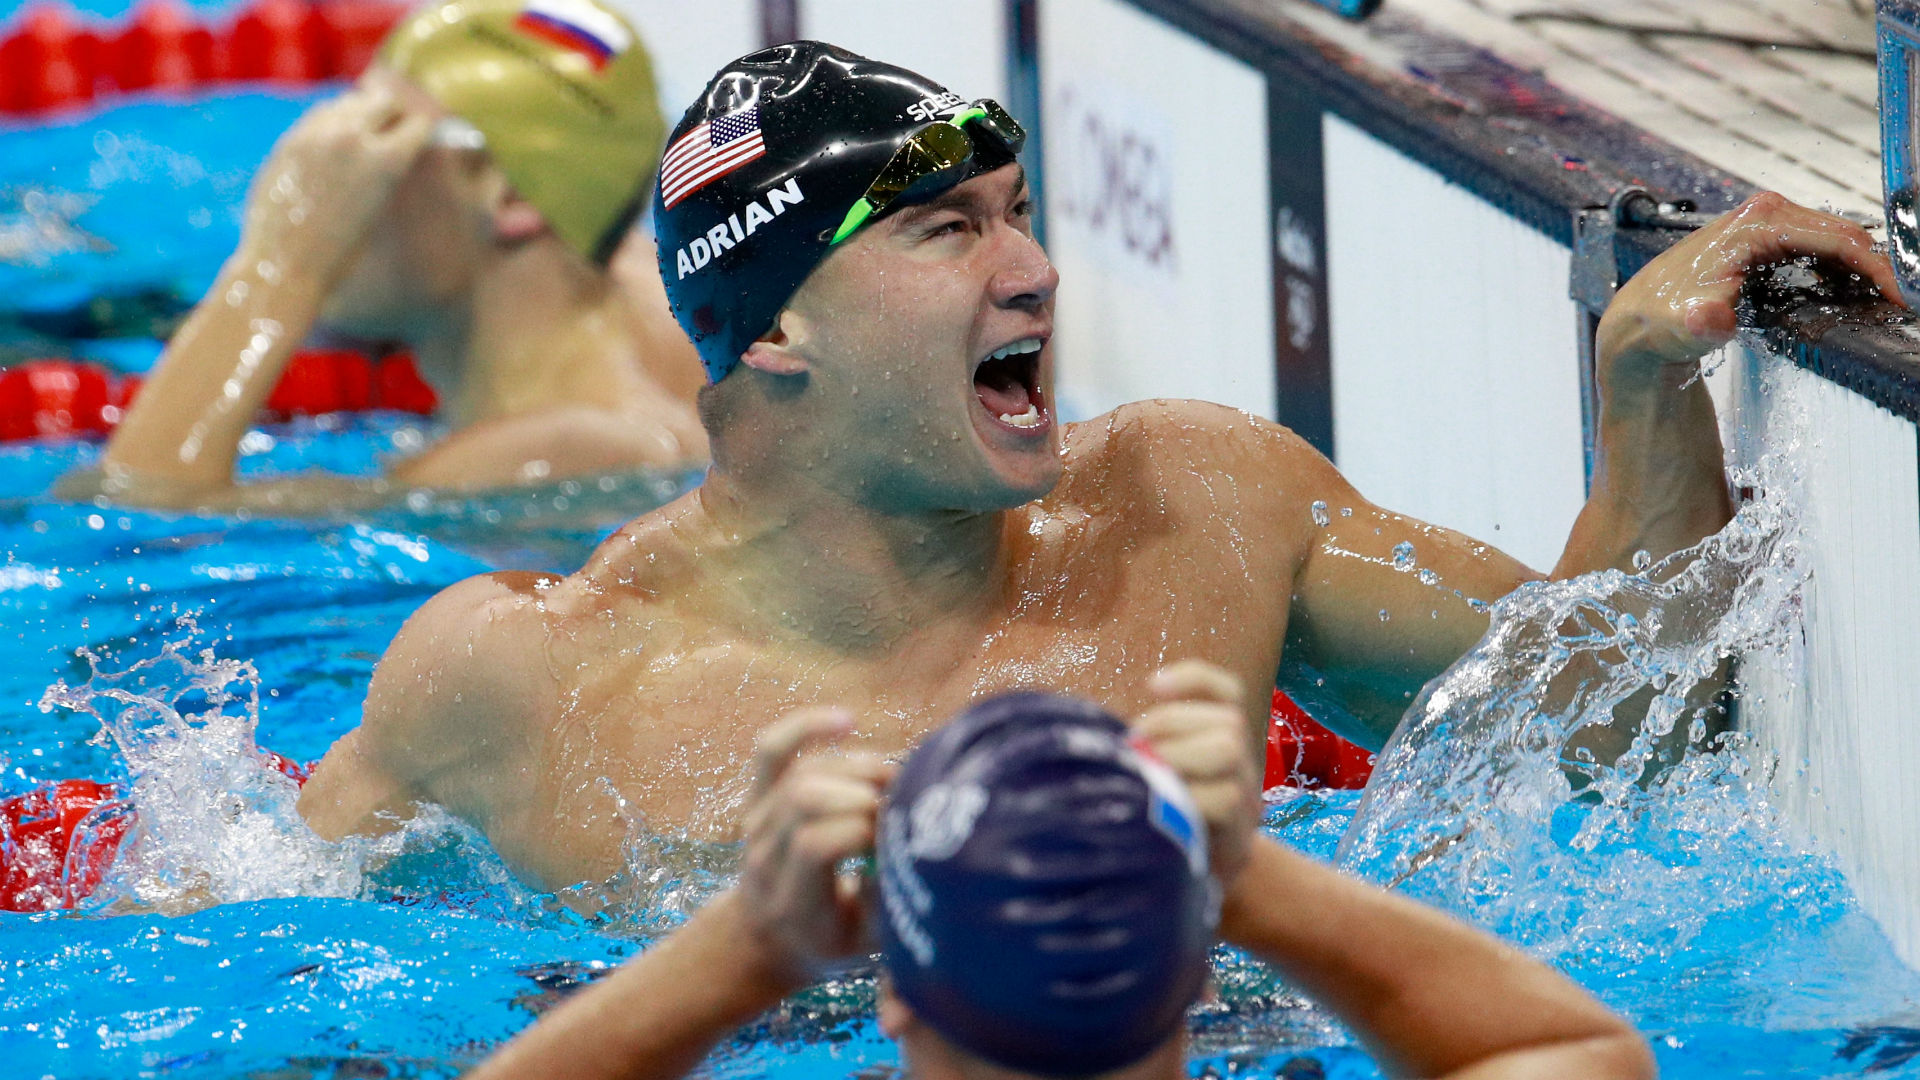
x=1739 y=953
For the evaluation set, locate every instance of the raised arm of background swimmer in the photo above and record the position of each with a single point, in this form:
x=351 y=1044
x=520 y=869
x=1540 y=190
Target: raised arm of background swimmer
x=325 y=182
x=1429 y=995
x=1367 y=621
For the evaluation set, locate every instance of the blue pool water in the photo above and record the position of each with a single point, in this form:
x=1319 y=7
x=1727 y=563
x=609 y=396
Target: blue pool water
x=1739 y=953
x=1691 y=910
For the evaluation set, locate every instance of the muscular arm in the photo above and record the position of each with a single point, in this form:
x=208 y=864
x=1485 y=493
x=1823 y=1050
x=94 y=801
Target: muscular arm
x=310 y=206
x=445 y=716
x=1373 y=632
x=1429 y=995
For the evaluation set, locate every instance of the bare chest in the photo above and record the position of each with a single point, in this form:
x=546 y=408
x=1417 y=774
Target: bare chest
x=669 y=718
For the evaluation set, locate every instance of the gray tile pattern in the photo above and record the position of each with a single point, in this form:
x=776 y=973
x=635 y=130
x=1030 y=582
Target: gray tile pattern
x=1778 y=92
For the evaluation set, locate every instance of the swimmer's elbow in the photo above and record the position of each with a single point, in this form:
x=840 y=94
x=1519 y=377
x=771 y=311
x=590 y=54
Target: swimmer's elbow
x=353 y=793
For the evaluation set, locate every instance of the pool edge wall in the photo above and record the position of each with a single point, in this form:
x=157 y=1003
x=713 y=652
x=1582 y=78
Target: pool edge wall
x=1418 y=246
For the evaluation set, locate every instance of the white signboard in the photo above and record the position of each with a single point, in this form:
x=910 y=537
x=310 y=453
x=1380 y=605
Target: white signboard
x=961 y=44
x=1158 y=213
x=690 y=41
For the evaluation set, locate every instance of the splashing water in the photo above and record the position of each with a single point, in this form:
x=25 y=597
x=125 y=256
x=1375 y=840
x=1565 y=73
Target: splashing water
x=1670 y=870
x=214 y=818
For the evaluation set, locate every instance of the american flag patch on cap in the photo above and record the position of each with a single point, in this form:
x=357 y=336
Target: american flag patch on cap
x=709 y=152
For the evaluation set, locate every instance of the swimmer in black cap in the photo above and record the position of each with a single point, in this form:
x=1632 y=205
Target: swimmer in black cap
x=467 y=200
x=895 y=522
x=1048 y=890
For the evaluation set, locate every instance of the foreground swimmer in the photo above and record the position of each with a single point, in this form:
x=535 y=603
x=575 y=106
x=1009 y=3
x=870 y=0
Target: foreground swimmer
x=465 y=200
x=893 y=520
x=1045 y=908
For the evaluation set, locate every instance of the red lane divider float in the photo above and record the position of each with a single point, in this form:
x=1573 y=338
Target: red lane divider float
x=1302 y=753
x=51 y=59
x=53 y=398
x=58 y=841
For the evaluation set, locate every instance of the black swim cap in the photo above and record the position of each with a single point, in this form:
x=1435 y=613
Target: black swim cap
x=761 y=170
x=1044 y=896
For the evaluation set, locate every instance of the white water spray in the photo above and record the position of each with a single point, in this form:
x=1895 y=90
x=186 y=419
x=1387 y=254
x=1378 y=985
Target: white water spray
x=214 y=816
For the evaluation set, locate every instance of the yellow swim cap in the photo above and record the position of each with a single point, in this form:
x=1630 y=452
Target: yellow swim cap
x=563 y=92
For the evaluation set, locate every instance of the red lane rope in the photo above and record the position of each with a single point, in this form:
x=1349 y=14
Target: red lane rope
x=53 y=60
x=58 y=841
x=1302 y=753
x=54 y=398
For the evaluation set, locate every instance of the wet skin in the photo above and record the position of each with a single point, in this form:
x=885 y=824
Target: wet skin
x=873 y=536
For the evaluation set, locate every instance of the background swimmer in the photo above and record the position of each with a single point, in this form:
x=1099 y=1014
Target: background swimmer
x=894 y=521
x=464 y=199
x=1045 y=901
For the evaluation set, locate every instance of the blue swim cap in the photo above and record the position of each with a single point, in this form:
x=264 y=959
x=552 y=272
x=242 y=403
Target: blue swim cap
x=1044 y=896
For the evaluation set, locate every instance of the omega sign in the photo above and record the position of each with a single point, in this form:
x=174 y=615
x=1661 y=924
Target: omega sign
x=1112 y=175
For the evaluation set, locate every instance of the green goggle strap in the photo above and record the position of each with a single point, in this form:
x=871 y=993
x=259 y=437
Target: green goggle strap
x=865 y=208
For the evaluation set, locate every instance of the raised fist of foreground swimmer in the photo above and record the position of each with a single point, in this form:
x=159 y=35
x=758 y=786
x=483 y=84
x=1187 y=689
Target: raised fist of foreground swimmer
x=465 y=199
x=895 y=522
x=1044 y=899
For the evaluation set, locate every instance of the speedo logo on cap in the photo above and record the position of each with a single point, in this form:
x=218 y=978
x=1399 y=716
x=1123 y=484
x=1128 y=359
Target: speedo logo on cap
x=701 y=250
x=576 y=26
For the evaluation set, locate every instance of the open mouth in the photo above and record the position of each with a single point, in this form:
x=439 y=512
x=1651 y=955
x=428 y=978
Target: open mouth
x=1008 y=385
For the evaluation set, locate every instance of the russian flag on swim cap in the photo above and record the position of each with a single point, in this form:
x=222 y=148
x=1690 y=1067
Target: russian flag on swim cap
x=581 y=28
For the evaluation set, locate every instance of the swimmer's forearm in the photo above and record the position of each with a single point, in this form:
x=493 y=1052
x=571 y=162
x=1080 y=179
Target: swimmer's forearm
x=658 y=1016
x=185 y=426
x=1659 y=478
x=1430 y=995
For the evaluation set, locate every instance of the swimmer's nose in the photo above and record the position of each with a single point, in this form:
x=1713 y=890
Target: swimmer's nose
x=1029 y=279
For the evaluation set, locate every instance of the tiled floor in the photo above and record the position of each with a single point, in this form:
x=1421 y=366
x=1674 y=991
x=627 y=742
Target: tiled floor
x=1779 y=92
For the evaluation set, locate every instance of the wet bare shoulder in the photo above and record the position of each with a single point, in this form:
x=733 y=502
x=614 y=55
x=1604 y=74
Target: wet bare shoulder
x=645 y=558
x=1202 y=457
x=465 y=629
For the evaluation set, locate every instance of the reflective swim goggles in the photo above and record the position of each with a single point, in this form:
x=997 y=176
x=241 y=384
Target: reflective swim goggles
x=932 y=159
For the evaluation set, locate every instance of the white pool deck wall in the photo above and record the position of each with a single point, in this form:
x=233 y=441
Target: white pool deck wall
x=1456 y=359
x=1456 y=394
x=1157 y=210
x=1836 y=717
x=962 y=43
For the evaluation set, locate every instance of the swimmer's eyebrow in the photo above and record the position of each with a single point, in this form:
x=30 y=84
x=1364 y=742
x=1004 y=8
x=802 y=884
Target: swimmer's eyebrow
x=957 y=199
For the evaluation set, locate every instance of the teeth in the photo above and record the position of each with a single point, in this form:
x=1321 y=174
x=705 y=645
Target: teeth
x=1024 y=345
x=1030 y=418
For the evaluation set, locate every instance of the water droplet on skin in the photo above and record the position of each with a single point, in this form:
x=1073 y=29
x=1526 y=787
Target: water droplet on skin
x=1320 y=516
x=1403 y=555
x=1642 y=559
x=1384 y=616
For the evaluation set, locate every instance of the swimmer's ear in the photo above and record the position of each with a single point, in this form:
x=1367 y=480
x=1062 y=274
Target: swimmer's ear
x=774 y=352
x=515 y=220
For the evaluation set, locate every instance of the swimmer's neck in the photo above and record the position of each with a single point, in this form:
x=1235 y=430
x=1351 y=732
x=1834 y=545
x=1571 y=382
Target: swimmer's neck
x=827 y=566
x=540 y=329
